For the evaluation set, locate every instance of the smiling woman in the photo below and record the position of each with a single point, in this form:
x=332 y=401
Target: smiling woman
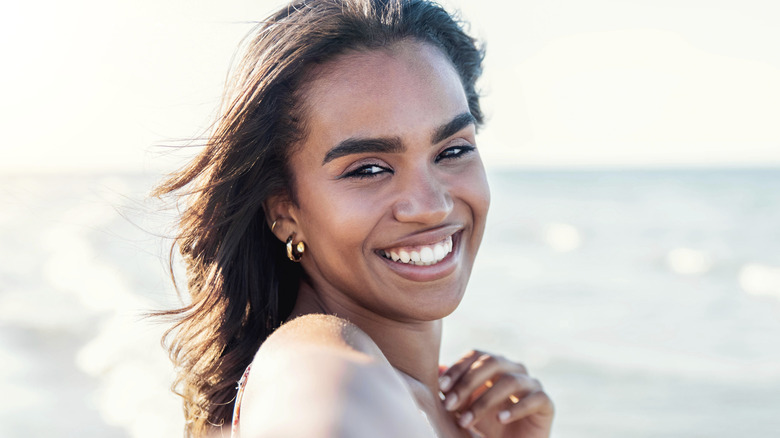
x=331 y=222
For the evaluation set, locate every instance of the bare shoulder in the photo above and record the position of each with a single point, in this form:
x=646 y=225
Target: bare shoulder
x=328 y=332
x=321 y=376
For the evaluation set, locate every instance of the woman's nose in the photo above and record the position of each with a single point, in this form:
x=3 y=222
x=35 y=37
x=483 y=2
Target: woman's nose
x=423 y=198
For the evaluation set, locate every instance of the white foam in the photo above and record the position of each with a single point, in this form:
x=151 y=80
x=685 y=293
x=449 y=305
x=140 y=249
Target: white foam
x=135 y=377
x=65 y=239
x=91 y=214
x=758 y=279
x=562 y=237
x=99 y=287
x=41 y=309
x=16 y=396
x=687 y=261
x=74 y=267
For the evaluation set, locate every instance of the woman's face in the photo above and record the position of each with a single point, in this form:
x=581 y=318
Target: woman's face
x=390 y=188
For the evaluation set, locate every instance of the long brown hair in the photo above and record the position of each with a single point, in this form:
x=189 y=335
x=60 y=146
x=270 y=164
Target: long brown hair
x=241 y=285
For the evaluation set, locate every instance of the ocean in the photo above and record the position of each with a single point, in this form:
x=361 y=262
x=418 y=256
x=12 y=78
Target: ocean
x=646 y=301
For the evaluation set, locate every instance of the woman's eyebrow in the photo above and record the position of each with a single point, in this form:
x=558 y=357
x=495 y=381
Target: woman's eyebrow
x=452 y=127
x=394 y=144
x=363 y=146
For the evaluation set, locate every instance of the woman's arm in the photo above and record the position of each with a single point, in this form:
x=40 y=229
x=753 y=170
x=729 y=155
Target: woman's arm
x=319 y=376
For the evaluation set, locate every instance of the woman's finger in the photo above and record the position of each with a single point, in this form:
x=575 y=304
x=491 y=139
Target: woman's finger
x=475 y=377
x=452 y=374
x=534 y=403
x=507 y=390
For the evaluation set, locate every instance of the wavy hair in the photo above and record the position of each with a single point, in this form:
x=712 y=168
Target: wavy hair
x=241 y=286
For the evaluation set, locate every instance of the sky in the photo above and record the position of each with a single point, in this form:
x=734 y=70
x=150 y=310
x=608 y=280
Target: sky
x=109 y=86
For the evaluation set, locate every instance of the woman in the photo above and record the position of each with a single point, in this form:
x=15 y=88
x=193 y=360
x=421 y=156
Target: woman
x=331 y=222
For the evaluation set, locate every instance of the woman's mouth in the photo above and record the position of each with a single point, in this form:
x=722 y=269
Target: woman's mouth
x=423 y=255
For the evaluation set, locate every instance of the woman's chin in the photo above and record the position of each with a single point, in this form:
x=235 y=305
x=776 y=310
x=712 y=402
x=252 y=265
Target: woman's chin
x=433 y=305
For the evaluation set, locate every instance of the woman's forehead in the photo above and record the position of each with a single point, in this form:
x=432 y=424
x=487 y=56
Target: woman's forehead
x=381 y=63
x=412 y=86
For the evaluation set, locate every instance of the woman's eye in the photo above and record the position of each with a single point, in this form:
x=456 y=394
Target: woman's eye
x=454 y=152
x=366 y=171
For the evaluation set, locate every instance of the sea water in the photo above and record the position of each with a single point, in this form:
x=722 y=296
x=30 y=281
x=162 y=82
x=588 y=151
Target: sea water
x=647 y=302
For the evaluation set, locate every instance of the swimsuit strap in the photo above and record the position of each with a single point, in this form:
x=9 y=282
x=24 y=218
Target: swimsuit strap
x=240 y=386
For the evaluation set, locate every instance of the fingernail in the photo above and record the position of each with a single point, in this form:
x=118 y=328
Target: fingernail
x=450 y=401
x=465 y=419
x=445 y=382
x=503 y=416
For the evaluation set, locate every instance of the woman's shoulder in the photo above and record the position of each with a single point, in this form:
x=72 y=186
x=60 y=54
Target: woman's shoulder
x=326 y=334
x=321 y=376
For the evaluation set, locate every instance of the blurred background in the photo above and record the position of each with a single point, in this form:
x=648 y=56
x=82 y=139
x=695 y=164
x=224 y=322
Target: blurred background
x=630 y=261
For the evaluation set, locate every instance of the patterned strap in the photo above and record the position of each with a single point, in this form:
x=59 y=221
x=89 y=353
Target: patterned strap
x=241 y=385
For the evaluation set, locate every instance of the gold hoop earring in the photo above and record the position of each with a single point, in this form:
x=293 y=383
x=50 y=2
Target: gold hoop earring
x=273 y=225
x=295 y=253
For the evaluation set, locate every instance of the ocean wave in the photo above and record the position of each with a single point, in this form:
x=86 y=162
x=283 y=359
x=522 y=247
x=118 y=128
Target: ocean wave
x=562 y=237
x=759 y=279
x=688 y=261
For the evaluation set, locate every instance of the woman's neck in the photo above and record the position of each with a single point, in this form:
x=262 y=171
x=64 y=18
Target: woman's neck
x=412 y=348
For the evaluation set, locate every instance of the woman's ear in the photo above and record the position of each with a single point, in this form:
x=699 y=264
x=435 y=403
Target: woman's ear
x=280 y=214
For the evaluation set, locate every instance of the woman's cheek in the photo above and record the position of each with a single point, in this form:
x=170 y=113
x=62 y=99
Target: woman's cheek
x=350 y=213
x=474 y=190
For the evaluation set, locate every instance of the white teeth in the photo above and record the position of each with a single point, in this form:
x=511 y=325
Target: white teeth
x=439 y=252
x=424 y=255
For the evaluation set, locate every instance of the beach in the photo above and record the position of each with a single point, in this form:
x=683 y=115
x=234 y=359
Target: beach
x=646 y=301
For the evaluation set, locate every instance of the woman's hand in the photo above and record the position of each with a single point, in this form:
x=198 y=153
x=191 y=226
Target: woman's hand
x=496 y=397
